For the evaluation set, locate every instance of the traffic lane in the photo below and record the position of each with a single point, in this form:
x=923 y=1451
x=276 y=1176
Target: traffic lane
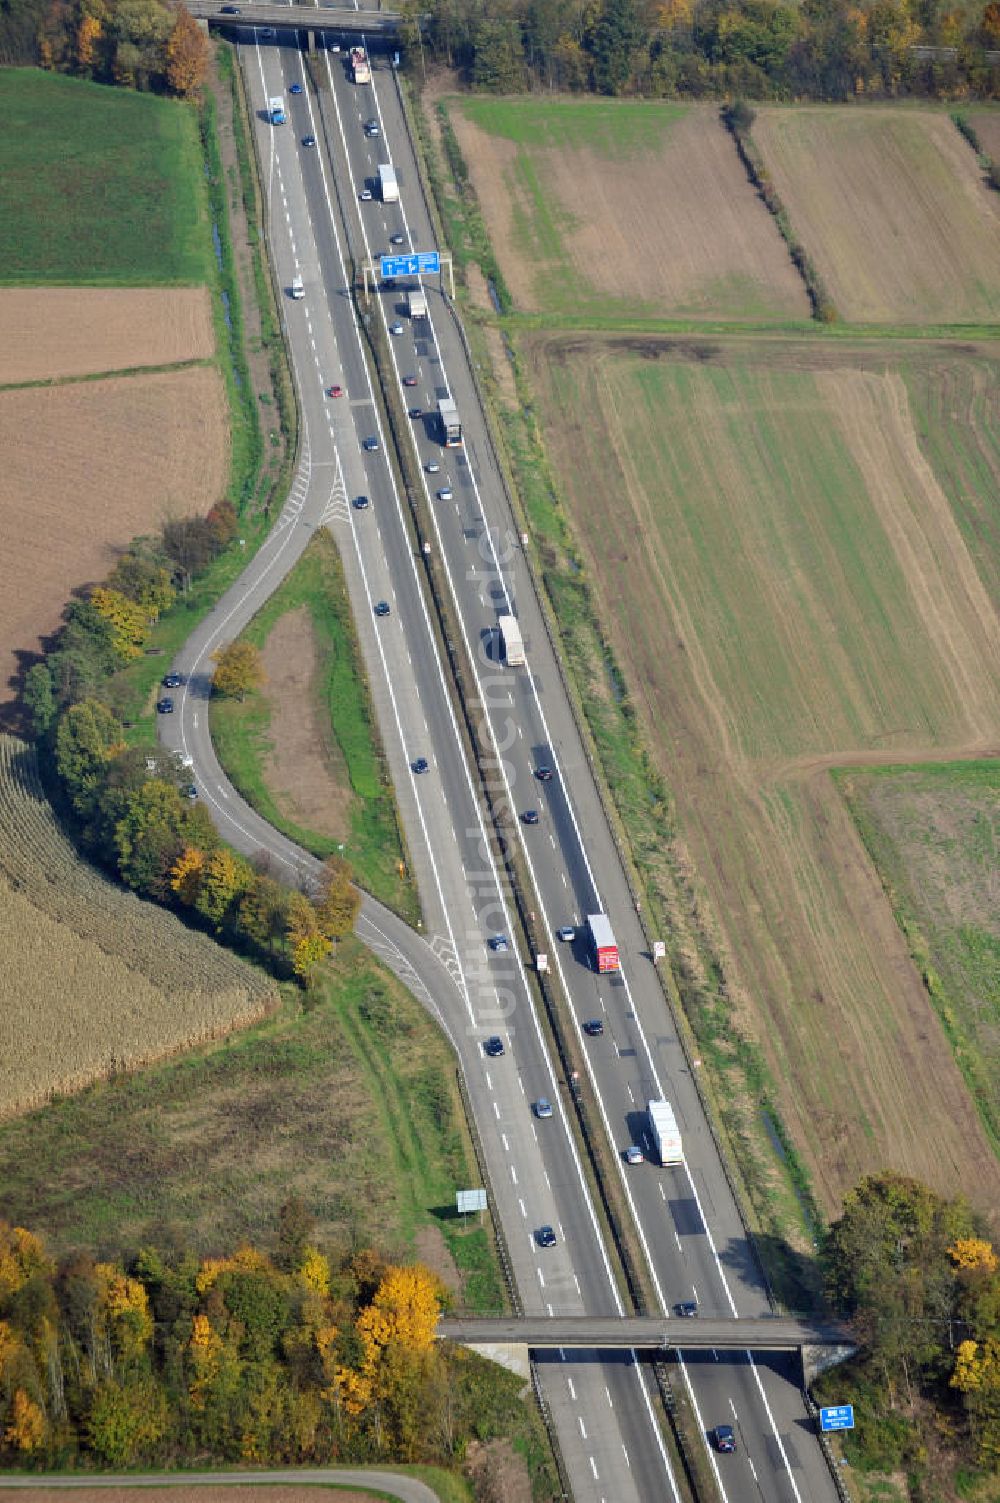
x=767 y=1450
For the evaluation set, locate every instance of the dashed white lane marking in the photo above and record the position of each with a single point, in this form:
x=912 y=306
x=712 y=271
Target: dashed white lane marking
x=506 y=1145
x=572 y=1390
x=593 y=1468
x=583 y=1428
x=607 y=1392
x=513 y=1174
x=523 y=1211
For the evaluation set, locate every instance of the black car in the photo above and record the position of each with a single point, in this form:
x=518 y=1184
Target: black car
x=370 y=445
x=420 y=765
x=545 y=1236
x=230 y=10
x=165 y=706
x=416 y=412
x=172 y=680
x=593 y=1028
x=725 y=1438
x=189 y=791
x=543 y=774
x=494 y=1046
x=530 y=817
x=361 y=503
x=308 y=140
x=383 y=608
x=687 y=1307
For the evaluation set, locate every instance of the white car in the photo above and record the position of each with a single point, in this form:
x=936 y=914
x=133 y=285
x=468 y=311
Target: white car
x=432 y=467
x=365 y=195
x=445 y=493
x=396 y=328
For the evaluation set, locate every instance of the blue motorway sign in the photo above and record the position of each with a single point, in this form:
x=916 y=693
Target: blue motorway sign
x=837 y=1417
x=424 y=264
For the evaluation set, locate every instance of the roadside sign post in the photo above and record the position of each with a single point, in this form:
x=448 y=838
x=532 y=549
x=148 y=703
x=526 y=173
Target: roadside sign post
x=659 y=951
x=418 y=264
x=837 y=1417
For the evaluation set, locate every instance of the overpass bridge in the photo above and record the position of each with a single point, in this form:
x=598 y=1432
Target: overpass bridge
x=375 y=23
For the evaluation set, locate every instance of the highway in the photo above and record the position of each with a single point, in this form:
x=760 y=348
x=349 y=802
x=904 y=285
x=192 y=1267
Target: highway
x=604 y=1410
x=687 y=1217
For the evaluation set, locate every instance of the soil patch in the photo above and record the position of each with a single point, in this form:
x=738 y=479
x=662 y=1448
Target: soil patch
x=892 y=206
x=87 y=466
x=305 y=770
x=986 y=123
x=433 y=1252
x=49 y=332
x=661 y=219
x=497 y=1472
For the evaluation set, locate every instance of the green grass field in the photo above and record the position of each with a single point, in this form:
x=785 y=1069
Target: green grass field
x=352 y=1086
x=242 y=739
x=615 y=128
x=933 y=831
x=99 y=186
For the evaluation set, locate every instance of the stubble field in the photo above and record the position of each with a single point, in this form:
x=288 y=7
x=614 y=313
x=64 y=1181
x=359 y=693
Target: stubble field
x=612 y=206
x=799 y=594
x=87 y=466
x=49 y=333
x=892 y=206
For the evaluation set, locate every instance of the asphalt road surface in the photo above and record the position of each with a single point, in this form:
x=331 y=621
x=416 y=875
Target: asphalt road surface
x=686 y=1214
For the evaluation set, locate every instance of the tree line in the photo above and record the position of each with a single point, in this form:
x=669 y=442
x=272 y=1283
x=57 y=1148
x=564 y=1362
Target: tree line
x=281 y=1358
x=757 y=49
x=137 y=813
x=139 y=44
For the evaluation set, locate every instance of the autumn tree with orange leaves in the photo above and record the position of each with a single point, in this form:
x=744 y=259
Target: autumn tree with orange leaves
x=187 y=55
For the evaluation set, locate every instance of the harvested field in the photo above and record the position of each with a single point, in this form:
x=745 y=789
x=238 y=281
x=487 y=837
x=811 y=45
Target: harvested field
x=603 y=205
x=986 y=123
x=52 y=332
x=799 y=595
x=893 y=209
x=65 y=506
x=94 y=979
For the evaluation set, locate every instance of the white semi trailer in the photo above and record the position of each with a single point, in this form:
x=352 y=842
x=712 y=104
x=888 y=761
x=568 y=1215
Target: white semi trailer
x=665 y=1132
x=513 y=646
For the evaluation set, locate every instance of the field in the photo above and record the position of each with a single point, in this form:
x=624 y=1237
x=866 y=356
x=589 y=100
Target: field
x=94 y=980
x=49 y=333
x=986 y=123
x=800 y=594
x=304 y=751
x=64 y=508
x=892 y=207
x=98 y=185
x=934 y=833
x=604 y=207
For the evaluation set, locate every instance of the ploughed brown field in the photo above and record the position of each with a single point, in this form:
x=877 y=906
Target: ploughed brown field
x=789 y=585
x=87 y=466
x=48 y=333
x=892 y=207
x=605 y=205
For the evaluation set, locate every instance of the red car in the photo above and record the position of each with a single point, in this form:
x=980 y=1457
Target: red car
x=409 y=380
x=336 y=391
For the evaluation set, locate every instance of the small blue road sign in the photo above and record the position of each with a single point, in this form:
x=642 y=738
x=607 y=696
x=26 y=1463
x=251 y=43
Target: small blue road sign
x=424 y=264
x=837 y=1417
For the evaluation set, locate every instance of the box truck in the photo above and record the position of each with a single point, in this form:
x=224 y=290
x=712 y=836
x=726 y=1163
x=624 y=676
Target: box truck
x=602 y=942
x=451 y=428
x=418 y=303
x=510 y=636
x=388 y=187
x=276 y=110
x=360 y=68
x=665 y=1133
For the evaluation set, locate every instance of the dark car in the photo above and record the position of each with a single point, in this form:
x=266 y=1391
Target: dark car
x=543 y=1107
x=308 y=140
x=530 y=817
x=189 y=791
x=725 y=1438
x=268 y=33
x=544 y=774
x=687 y=1308
x=593 y=1028
x=420 y=765
x=370 y=445
x=172 y=680
x=494 y=1046
x=361 y=503
x=397 y=239
x=409 y=380
x=165 y=706
x=230 y=10
x=295 y=88
x=498 y=942
x=383 y=608
x=416 y=412
x=545 y=1236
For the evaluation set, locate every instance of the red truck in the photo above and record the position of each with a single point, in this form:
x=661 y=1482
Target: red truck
x=602 y=942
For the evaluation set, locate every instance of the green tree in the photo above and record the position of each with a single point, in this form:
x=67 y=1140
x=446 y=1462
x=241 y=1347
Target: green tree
x=87 y=737
x=156 y=826
x=126 y=1421
x=39 y=698
x=224 y=878
x=613 y=40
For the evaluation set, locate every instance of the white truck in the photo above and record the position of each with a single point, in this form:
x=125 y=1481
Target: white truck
x=451 y=426
x=665 y=1133
x=417 y=303
x=298 y=288
x=276 y=110
x=360 y=67
x=388 y=187
x=510 y=636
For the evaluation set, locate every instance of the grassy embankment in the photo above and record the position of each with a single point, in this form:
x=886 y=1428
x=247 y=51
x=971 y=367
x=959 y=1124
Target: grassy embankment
x=241 y=731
